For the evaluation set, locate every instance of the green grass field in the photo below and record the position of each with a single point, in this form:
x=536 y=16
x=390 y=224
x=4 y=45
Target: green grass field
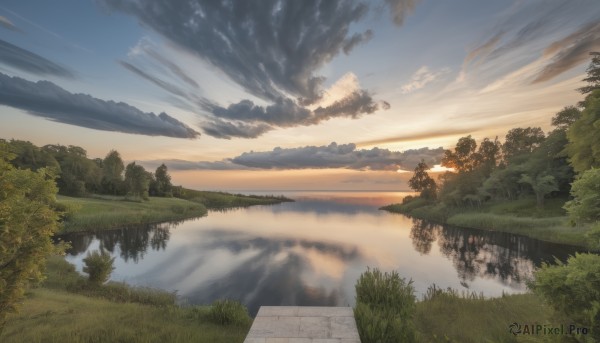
x=57 y=316
x=99 y=212
x=89 y=214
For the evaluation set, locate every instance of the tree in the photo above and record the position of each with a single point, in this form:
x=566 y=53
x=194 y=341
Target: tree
x=593 y=75
x=488 y=155
x=29 y=156
x=136 y=180
x=463 y=157
x=112 y=172
x=585 y=206
x=542 y=185
x=27 y=224
x=422 y=182
x=522 y=141
x=584 y=136
x=566 y=117
x=163 y=182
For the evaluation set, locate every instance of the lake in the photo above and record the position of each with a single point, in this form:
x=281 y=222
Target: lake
x=311 y=252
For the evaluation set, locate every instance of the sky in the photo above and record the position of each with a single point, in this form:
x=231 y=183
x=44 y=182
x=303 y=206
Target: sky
x=287 y=95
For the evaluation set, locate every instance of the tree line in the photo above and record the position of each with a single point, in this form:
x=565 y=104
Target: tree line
x=78 y=175
x=528 y=162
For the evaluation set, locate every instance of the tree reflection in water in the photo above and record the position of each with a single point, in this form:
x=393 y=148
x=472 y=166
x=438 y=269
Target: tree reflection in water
x=508 y=258
x=133 y=241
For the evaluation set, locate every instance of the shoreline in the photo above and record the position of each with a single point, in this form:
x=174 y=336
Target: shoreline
x=98 y=213
x=546 y=229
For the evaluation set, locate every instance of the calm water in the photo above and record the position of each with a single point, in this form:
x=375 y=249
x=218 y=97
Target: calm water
x=310 y=252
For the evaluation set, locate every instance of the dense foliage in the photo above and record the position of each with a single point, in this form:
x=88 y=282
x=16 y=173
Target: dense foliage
x=99 y=266
x=385 y=306
x=573 y=288
x=27 y=223
x=78 y=175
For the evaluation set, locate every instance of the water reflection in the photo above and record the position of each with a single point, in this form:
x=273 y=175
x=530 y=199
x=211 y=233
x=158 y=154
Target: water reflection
x=311 y=252
x=133 y=241
x=511 y=259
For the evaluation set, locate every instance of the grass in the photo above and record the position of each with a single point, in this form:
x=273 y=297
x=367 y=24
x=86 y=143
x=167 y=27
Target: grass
x=98 y=213
x=222 y=200
x=56 y=316
x=63 y=310
x=451 y=317
x=519 y=217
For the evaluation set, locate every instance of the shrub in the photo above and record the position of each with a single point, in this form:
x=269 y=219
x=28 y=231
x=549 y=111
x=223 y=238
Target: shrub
x=593 y=237
x=385 y=305
x=98 y=266
x=573 y=288
x=228 y=312
x=585 y=207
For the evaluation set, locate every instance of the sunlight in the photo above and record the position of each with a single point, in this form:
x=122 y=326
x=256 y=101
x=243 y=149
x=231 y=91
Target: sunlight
x=438 y=168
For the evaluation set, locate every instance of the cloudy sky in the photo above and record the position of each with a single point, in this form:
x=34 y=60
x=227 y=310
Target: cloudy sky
x=276 y=95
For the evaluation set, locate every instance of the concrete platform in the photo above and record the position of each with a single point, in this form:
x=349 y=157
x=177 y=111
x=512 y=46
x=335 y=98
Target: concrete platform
x=303 y=324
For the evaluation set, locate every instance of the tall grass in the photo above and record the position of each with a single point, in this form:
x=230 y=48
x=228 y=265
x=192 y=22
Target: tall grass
x=229 y=312
x=449 y=316
x=385 y=304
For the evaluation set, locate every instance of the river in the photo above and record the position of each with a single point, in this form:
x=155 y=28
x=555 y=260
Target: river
x=311 y=252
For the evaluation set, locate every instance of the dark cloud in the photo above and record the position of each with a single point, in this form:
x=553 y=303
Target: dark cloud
x=171 y=88
x=47 y=100
x=334 y=155
x=273 y=49
x=337 y=156
x=354 y=105
x=7 y=24
x=400 y=9
x=283 y=112
x=570 y=51
x=30 y=62
x=227 y=129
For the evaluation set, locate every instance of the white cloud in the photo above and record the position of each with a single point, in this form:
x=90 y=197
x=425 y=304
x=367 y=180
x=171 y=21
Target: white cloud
x=421 y=78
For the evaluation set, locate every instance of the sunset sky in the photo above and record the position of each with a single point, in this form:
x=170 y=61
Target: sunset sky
x=287 y=95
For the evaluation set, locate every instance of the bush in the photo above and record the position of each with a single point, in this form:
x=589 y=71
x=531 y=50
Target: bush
x=593 y=237
x=573 y=288
x=98 y=266
x=385 y=305
x=585 y=207
x=228 y=312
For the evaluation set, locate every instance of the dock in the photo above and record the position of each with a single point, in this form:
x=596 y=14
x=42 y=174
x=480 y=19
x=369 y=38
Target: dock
x=303 y=324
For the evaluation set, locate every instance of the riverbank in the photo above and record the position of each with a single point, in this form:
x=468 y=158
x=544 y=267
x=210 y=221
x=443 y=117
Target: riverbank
x=101 y=212
x=519 y=217
x=64 y=310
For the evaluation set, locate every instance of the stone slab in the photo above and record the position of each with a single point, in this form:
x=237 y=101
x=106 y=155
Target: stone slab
x=303 y=324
